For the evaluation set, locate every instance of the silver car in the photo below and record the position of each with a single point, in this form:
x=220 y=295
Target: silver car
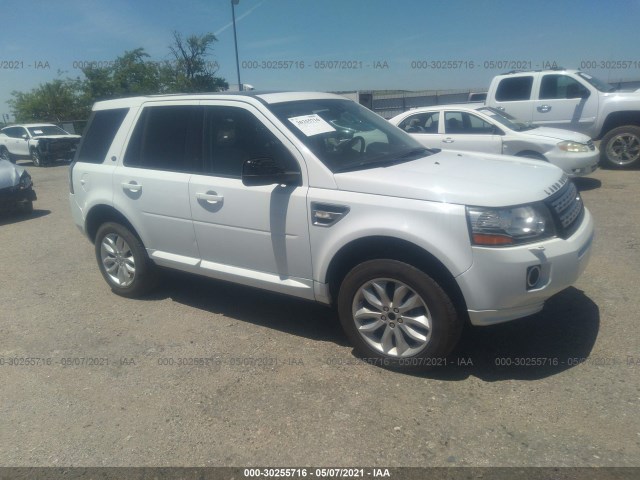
x=478 y=128
x=16 y=188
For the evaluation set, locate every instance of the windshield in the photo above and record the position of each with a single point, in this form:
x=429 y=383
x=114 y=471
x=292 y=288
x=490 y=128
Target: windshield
x=46 y=130
x=507 y=120
x=346 y=136
x=597 y=83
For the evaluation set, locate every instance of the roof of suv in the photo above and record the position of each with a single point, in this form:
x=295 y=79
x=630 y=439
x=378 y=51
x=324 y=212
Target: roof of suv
x=31 y=125
x=252 y=97
x=548 y=70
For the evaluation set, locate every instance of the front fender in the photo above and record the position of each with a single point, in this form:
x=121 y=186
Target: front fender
x=437 y=228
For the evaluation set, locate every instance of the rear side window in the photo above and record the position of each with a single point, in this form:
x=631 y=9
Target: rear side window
x=421 y=123
x=167 y=138
x=514 y=89
x=102 y=127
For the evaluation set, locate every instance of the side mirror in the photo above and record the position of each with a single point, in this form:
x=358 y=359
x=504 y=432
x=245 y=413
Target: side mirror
x=265 y=171
x=581 y=93
x=24 y=136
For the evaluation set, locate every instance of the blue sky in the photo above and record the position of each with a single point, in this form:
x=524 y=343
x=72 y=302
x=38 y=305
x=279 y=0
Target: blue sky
x=46 y=39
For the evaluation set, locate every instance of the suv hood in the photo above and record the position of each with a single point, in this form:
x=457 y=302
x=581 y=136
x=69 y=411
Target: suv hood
x=9 y=174
x=557 y=134
x=460 y=178
x=54 y=137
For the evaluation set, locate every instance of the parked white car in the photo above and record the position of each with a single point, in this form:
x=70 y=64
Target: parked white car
x=16 y=188
x=317 y=197
x=484 y=129
x=43 y=143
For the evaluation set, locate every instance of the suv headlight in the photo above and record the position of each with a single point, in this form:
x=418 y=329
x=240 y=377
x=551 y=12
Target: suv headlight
x=510 y=225
x=569 y=146
x=25 y=181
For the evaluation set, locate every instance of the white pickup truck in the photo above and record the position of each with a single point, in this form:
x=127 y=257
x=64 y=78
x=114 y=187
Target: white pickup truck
x=43 y=143
x=577 y=101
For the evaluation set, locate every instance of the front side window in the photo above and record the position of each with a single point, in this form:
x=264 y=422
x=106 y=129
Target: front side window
x=167 y=138
x=421 y=123
x=560 y=86
x=466 y=123
x=513 y=89
x=347 y=136
x=234 y=135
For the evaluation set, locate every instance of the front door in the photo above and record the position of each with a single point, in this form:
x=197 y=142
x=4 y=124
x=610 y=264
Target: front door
x=468 y=132
x=256 y=235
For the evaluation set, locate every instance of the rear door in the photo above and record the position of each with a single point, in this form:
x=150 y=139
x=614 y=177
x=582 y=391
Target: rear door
x=151 y=185
x=17 y=144
x=424 y=127
x=514 y=95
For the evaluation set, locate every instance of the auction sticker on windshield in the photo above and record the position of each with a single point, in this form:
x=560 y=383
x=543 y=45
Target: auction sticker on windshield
x=311 y=125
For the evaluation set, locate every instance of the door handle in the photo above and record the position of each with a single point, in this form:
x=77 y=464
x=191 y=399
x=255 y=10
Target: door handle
x=210 y=197
x=132 y=186
x=447 y=140
x=544 y=108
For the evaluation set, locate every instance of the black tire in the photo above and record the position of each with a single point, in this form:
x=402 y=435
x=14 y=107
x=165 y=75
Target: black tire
x=145 y=276
x=620 y=147
x=5 y=155
x=26 y=207
x=36 y=158
x=446 y=325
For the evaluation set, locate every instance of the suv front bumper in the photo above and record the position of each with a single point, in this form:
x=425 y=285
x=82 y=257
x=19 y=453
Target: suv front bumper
x=495 y=286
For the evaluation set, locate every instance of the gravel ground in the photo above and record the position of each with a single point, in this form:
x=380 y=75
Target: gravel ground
x=271 y=380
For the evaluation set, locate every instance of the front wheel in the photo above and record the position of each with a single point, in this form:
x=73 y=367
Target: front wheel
x=123 y=261
x=620 y=148
x=25 y=207
x=5 y=155
x=397 y=315
x=36 y=158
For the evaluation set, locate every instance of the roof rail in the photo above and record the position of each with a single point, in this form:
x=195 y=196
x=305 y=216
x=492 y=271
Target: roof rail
x=555 y=69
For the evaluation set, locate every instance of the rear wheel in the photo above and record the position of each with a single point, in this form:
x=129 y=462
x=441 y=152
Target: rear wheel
x=123 y=261
x=620 y=148
x=397 y=315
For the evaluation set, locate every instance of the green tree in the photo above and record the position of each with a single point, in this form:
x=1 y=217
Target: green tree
x=130 y=74
x=191 y=70
x=55 y=101
x=133 y=73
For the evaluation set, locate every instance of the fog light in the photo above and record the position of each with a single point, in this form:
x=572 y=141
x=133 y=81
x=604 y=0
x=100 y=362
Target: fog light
x=533 y=277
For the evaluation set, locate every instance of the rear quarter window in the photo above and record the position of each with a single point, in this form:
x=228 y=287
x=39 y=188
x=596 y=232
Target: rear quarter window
x=102 y=127
x=514 y=88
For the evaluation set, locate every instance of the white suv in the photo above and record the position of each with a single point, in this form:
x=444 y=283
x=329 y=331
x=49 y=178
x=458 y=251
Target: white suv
x=312 y=195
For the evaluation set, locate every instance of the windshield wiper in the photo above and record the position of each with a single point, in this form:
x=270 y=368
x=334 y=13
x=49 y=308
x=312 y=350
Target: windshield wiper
x=415 y=151
x=405 y=157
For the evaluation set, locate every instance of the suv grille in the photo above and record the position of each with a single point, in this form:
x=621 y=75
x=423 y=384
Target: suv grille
x=567 y=208
x=591 y=145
